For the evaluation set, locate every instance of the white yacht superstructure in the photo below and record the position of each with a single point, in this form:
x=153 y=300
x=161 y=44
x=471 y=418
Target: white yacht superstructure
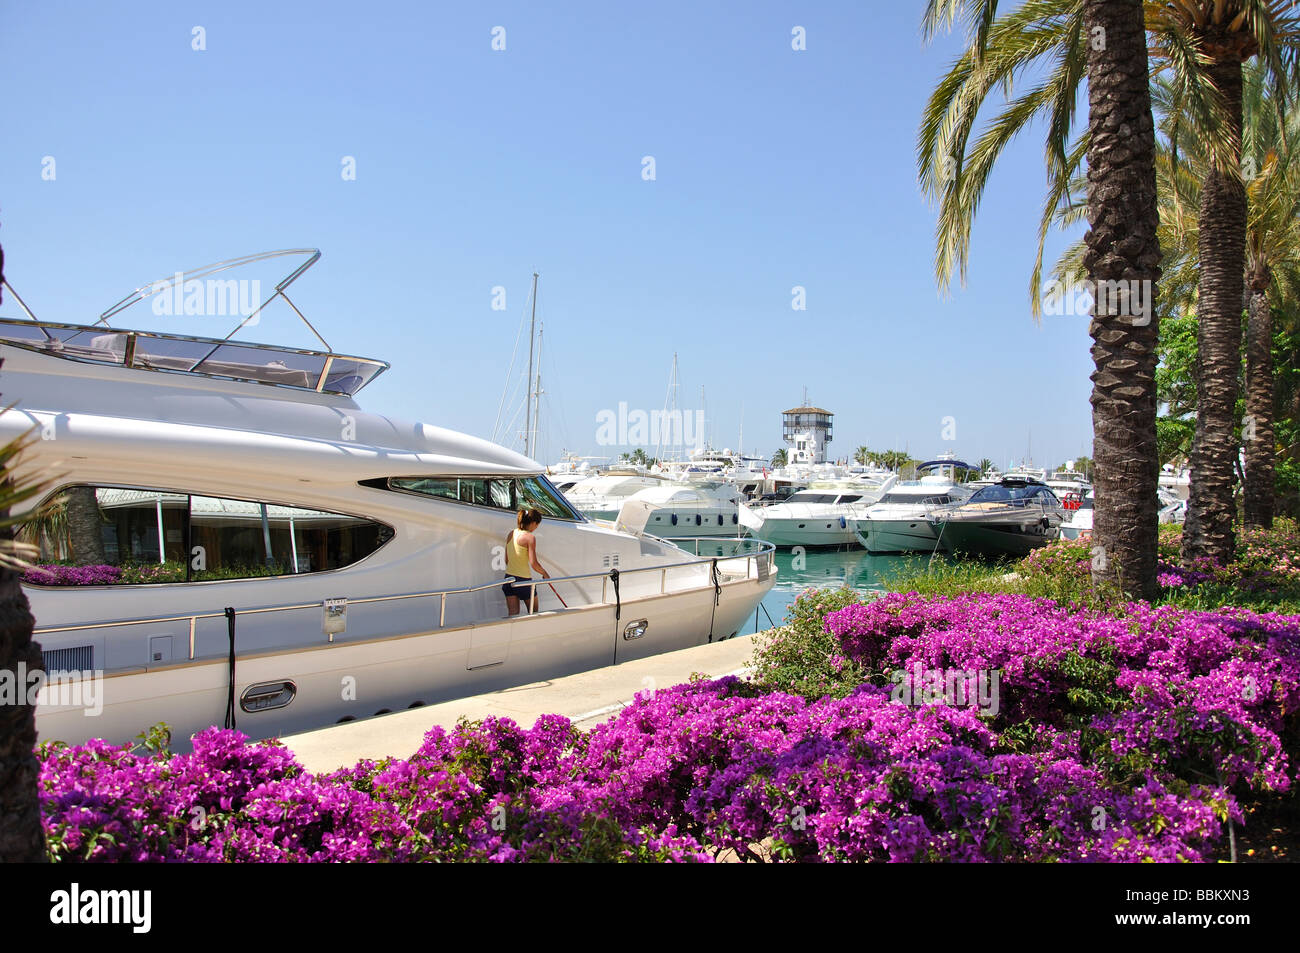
x=676 y=510
x=272 y=557
x=600 y=497
x=899 y=522
x=821 y=515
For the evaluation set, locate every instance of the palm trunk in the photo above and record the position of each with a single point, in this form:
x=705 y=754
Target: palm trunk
x=1221 y=246
x=1122 y=245
x=85 y=527
x=21 y=838
x=1258 y=432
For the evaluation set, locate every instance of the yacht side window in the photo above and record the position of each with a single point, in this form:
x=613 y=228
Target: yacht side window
x=99 y=535
x=501 y=493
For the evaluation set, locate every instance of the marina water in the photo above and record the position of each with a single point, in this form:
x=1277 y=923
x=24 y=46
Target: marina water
x=826 y=569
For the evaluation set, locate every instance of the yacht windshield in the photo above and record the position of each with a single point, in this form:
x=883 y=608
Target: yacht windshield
x=812 y=498
x=915 y=499
x=1013 y=494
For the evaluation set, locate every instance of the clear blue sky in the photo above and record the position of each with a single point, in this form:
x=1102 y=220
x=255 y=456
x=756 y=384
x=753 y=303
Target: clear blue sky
x=474 y=167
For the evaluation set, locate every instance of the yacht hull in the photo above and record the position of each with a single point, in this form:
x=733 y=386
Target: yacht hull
x=808 y=531
x=337 y=682
x=897 y=535
x=995 y=539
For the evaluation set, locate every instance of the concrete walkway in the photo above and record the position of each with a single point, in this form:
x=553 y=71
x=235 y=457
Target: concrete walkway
x=586 y=699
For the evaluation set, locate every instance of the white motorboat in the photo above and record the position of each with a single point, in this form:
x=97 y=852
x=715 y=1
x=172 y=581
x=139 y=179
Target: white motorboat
x=821 y=515
x=1080 y=521
x=600 y=497
x=1176 y=481
x=676 y=510
x=1011 y=518
x=899 y=523
x=273 y=558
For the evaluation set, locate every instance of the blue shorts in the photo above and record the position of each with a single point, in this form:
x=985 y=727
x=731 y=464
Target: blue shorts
x=519 y=592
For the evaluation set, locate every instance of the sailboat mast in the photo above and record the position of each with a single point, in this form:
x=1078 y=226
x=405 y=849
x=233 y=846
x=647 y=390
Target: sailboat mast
x=537 y=404
x=528 y=410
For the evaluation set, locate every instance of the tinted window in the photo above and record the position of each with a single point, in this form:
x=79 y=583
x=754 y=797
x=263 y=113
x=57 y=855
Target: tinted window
x=1013 y=494
x=915 y=500
x=501 y=493
x=110 y=535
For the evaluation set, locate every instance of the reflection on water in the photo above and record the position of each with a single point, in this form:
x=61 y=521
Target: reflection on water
x=820 y=569
x=825 y=569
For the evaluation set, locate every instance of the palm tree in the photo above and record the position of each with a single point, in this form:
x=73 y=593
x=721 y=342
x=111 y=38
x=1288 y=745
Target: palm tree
x=862 y=456
x=1272 y=253
x=779 y=458
x=1270 y=137
x=21 y=838
x=984 y=466
x=1066 y=40
x=1222 y=35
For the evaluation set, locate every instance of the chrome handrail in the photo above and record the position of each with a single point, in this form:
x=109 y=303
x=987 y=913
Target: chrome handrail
x=764 y=548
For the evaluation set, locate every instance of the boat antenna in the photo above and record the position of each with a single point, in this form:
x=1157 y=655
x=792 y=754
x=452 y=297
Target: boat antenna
x=528 y=411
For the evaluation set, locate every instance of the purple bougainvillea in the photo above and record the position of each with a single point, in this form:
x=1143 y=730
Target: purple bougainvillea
x=1118 y=736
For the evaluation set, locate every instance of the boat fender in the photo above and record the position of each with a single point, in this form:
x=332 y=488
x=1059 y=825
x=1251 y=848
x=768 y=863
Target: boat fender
x=733 y=519
x=674 y=519
x=719 y=519
x=618 y=601
x=230 y=692
x=698 y=519
x=843 y=524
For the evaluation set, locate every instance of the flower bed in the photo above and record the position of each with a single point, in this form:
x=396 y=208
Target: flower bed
x=1115 y=739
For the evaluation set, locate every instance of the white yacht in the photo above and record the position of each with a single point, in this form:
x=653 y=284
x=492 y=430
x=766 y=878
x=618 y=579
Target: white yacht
x=1080 y=518
x=600 y=497
x=1172 y=509
x=273 y=558
x=899 y=523
x=1010 y=518
x=1176 y=481
x=821 y=515
x=677 y=510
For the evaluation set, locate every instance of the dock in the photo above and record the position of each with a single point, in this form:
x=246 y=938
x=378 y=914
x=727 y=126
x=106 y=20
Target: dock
x=586 y=699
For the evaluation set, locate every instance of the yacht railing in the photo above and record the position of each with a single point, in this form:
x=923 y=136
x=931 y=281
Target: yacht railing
x=761 y=559
x=940 y=512
x=223 y=358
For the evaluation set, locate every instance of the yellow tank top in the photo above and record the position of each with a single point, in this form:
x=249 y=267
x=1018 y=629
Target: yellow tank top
x=517 y=558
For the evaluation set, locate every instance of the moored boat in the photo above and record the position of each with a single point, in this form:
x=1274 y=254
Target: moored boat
x=264 y=554
x=1010 y=518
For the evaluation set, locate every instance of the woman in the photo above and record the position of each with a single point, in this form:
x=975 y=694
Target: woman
x=521 y=554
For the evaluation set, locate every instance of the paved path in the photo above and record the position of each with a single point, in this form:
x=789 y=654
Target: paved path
x=586 y=698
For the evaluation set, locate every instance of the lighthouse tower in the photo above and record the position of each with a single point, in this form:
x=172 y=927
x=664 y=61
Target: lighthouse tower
x=806 y=431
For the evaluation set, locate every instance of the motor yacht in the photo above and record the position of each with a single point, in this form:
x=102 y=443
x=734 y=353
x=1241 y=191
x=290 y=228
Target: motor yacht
x=820 y=516
x=677 y=510
x=898 y=522
x=1011 y=518
x=266 y=555
x=600 y=497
